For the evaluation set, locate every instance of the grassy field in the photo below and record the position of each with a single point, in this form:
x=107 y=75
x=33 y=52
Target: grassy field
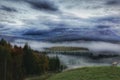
x=42 y=77
x=89 y=73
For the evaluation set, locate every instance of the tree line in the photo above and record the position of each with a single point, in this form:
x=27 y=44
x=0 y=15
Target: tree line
x=16 y=63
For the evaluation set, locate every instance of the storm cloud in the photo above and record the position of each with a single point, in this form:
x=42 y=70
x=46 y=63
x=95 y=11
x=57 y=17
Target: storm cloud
x=62 y=20
x=113 y=2
x=43 y=5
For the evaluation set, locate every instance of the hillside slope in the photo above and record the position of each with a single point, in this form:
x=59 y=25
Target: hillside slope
x=89 y=73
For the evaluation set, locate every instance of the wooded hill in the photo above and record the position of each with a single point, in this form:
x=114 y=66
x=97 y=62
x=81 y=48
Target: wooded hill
x=63 y=48
x=16 y=63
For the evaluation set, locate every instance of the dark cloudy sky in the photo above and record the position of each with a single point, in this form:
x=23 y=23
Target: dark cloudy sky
x=61 y=19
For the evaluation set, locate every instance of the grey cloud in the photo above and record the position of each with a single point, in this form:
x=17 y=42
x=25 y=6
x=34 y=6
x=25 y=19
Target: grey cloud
x=110 y=19
x=9 y=9
x=39 y=4
x=113 y=2
x=60 y=26
x=103 y=26
x=43 y=5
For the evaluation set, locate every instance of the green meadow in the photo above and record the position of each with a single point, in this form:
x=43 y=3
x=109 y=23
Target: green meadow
x=89 y=73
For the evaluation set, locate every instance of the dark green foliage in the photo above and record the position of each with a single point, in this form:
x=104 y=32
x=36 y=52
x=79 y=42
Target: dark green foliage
x=3 y=42
x=29 y=61
x=54 y=64
x=5 y=61
x=16 y=63
x=18 y=70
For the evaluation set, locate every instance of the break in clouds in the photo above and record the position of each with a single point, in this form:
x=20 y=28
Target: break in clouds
x=62 y=21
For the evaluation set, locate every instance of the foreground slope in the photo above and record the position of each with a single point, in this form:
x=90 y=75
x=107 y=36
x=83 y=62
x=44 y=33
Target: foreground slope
x=89 y=73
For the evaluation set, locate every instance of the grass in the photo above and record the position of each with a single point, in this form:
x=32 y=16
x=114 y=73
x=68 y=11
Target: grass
x=89 y=73
x=42 y=77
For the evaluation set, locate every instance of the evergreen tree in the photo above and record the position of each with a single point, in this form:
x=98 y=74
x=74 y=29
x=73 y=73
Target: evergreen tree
x=17 y=63
x=29 y=61
x=54 y=64
x=17 y=57
x=5 y=64
x=3 y=42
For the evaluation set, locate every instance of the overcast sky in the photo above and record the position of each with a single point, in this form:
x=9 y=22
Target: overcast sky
x=61 y=18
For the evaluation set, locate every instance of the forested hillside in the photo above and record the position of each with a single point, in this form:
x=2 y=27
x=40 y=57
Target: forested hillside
x=16 y=63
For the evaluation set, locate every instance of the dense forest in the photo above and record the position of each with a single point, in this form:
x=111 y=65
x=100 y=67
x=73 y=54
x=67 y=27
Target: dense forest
x=16 y=63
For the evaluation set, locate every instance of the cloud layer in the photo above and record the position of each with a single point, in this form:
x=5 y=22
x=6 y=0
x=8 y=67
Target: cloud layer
x=43 y=5
x=61 y=20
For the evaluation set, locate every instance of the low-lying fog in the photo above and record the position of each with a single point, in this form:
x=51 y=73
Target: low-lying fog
x=96 y=46
x=78 y=61
x=72 y=61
